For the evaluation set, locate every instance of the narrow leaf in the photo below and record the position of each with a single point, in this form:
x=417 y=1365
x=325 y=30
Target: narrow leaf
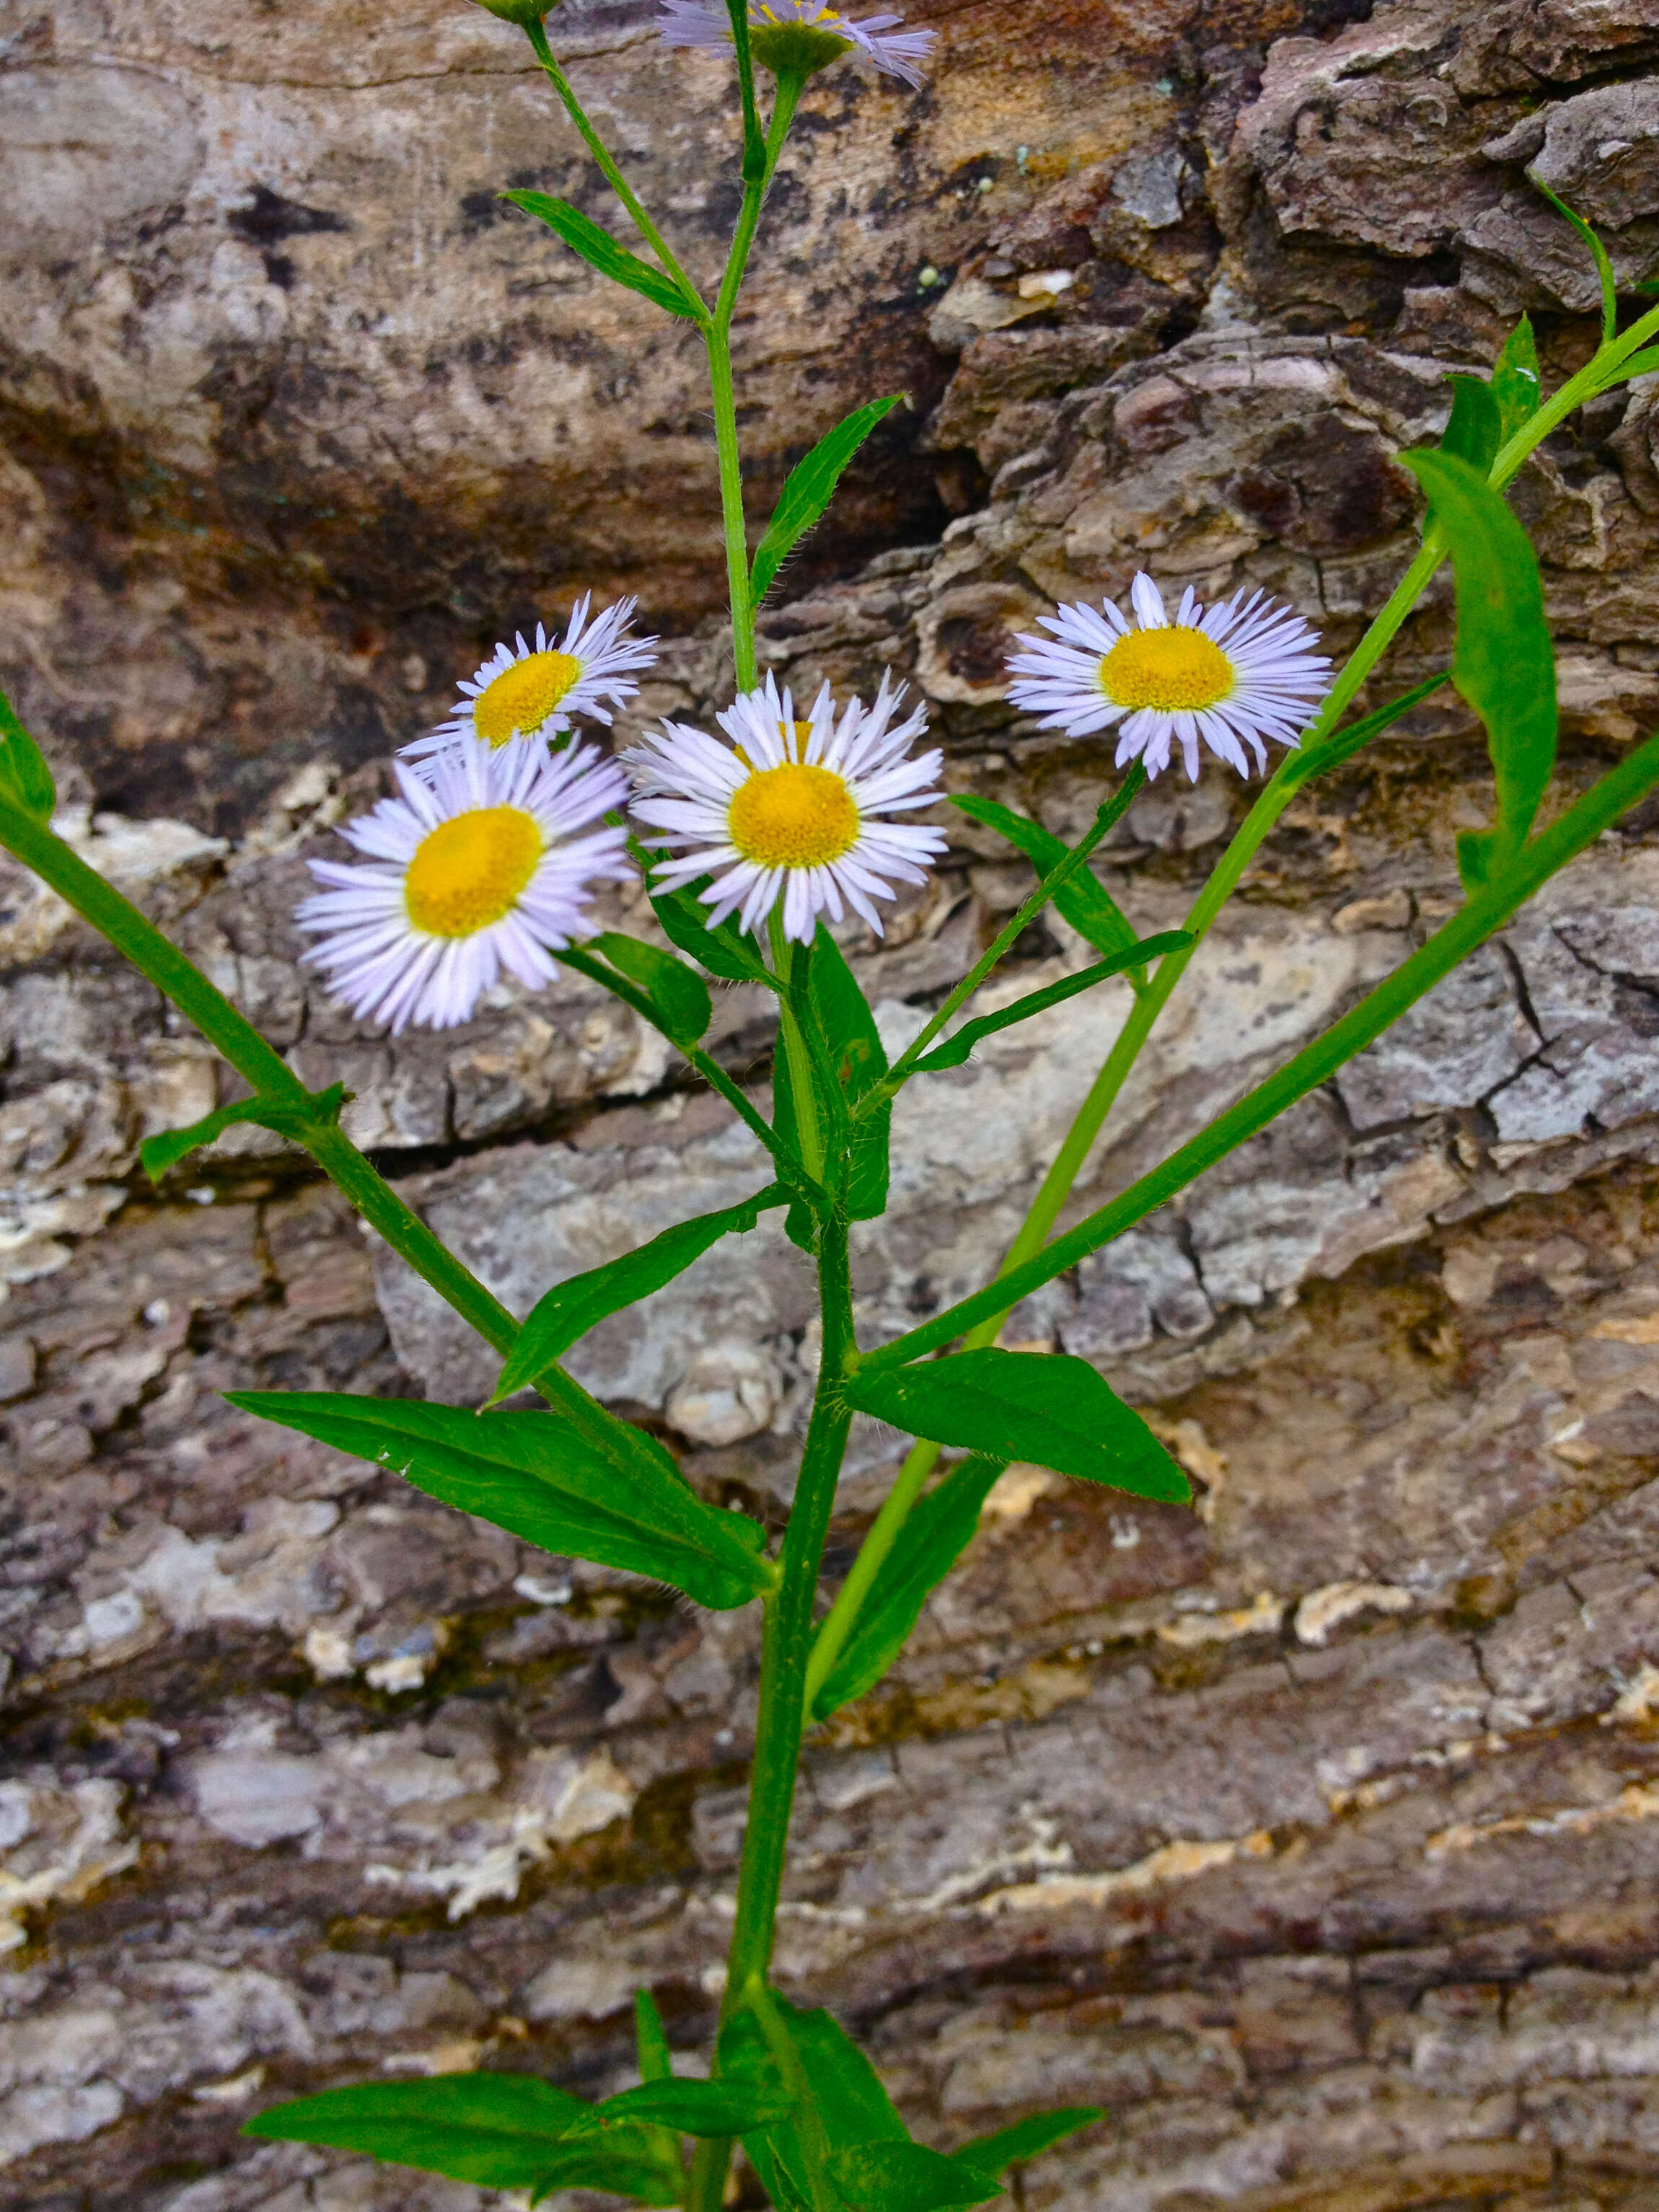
x=1638 y=364
x=1047 y=1408
x=678 y=995
x=25 y=780
x=695 y=2108
x=808 y=490
x=927 y=1547
x=725 y=951
x=1475 y=430
x=532 y=1474
x=601 y=251
x=570 y=1309
x=907 y=2177
x=1503 y=665
x=848 y=2103
x=651 y=2040
x=158 y=1154
x=1598 y=254
x=995 y=2154
x=1302 y=767
x=1515 y=381
x=496 y=2130
x=955 y=1051
x=856 y=1047
x=1084 y=901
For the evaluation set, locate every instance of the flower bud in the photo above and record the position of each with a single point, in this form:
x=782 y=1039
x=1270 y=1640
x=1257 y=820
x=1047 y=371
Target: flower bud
x=522 y=12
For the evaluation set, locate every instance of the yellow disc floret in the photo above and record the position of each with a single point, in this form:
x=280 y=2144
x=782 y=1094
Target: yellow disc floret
x=1170 y=670
x=522 y=697
x=471 y=869
x=793 y=817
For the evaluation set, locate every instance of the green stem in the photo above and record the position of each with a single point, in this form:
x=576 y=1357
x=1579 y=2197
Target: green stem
x=271 y=1079
x=802 y=1086
x=788 y=1633
x=1598 y=809
x=1106 y=819
x=536 y=35
x=717 y=337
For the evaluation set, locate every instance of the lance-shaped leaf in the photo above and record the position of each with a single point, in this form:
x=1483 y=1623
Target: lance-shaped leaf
x=678 y=996
x=955 y=1051
x=808 y=490
x=1083 y=900
x=1047 y=1408
x=726 y=952
x=533 y=1474
x=570 y=1309
x=158 y=1154
x=907 y=2177
x=496 y=2130
x=693 y=2108
x=25 y=780
x=601 y=251
x=1598 y=254
x=926 y=1549
x=845 y=2104
x=855 y=1051
x=1515 y=379
x=651 y=2040
x=1475 y=430
x=995 y=2153
x=1503 y=663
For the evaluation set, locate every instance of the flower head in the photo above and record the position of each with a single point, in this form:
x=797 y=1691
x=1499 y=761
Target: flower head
x=796 y=37
x=1230 y=678
x=789 y=813
x=475 y=865
x=531 y=692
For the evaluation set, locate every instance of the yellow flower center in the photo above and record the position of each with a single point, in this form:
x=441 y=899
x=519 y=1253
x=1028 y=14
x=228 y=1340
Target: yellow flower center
x=793 y=817
x=523 y=697
x=771 y=15
x=469 y=871
x=1168 y=669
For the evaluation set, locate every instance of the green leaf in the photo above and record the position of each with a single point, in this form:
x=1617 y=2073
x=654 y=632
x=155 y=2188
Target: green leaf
x=1503 y=665
x=995 y=2154
x=570 y=1309
x=25 y=780
x=906 y=2177
x=955 y=1051
x=532 y=1474
x=678 y=996
x=1084 y=901
x=158 y=1154
x=856 y=1047
x=1637 y=364
x=1515 y=379
x=1047 y=1408
x=601 y=251
x=1302 y=767
x=928 y=1546
x=496 y=2130
x=1598 y=254
x=650 y=2039
x=848 y=2103
x=808 y=490
x=1476 y=428
x=725 y=951
x=695 y=2108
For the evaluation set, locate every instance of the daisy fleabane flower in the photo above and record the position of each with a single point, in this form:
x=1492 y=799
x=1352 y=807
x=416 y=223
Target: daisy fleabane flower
x=478 y=864
x=803 y=35
x=787 y=816
x=1229 y=678
x=526 y=690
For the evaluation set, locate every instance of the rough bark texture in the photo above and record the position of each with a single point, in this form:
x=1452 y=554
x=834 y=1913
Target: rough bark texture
x=1316 y=1832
